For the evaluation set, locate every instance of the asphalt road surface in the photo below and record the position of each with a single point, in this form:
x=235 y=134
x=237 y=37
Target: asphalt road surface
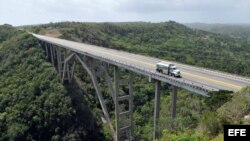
x=206 y=77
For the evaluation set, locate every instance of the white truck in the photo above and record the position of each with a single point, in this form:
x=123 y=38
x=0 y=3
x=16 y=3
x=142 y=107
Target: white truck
x=169 y=69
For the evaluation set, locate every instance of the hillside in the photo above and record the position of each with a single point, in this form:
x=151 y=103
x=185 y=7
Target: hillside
x=34 y=105
x=234 y=111
x=233 y=30
x=171 y=41
x=7 y=31
x=168 y=40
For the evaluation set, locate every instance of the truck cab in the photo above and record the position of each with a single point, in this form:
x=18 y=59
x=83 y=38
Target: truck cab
x=174 y=71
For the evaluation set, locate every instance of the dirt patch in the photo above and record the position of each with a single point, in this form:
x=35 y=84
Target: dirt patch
x=53 y=33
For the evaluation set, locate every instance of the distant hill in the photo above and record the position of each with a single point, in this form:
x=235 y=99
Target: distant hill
x=233 y=30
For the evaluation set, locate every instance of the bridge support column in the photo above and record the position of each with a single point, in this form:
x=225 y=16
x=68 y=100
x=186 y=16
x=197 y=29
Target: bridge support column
x=123 y=115
x=66 y=70
x=131 y=105
x=117 y=125
x=156 y=109
x=46 y=50
x=59 y=61
x=174 y=99
x=52 y=55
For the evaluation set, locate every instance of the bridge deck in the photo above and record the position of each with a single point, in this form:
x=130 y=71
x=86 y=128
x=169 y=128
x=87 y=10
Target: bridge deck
x=198 y=80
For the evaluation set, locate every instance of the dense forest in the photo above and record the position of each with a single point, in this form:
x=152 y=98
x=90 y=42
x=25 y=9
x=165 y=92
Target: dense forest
x=233 y=30
x=35 y=106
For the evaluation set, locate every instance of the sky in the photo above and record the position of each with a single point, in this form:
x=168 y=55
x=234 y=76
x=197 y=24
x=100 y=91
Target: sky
x=27 y=12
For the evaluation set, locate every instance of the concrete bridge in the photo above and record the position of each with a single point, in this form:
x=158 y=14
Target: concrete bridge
x=64 y=54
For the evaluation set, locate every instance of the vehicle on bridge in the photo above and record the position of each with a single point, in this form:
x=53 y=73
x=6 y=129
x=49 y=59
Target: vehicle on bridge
x=169 y=69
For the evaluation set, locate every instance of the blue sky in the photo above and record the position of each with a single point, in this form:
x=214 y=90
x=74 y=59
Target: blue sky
x=24 y=12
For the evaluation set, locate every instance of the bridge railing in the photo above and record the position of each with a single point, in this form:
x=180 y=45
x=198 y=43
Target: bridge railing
x=201 y=89
x=189 y=85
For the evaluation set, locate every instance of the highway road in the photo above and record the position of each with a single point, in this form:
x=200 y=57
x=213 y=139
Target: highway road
x=214 y=80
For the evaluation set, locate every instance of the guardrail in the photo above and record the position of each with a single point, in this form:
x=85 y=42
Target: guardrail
x=189 y=85
x=198 y=88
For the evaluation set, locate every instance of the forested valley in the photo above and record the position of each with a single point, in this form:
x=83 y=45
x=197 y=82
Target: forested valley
x=34 y=105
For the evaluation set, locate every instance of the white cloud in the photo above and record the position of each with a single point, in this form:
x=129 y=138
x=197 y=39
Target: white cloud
x=44 y=11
